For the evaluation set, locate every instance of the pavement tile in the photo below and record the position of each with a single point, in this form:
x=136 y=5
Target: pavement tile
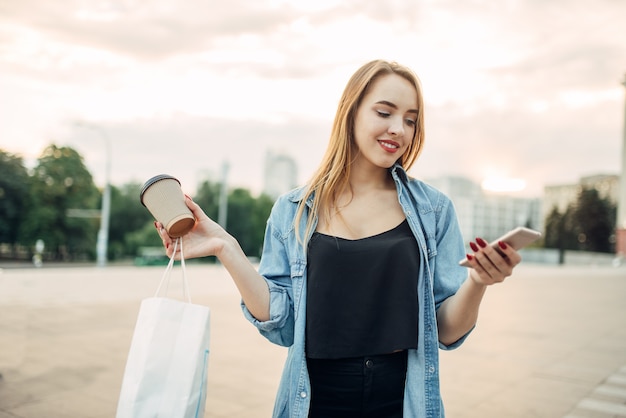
x=606 y=400
x=550 y=342
x=66 y=404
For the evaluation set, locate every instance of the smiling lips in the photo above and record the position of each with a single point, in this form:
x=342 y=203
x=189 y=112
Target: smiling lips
x=389 y=146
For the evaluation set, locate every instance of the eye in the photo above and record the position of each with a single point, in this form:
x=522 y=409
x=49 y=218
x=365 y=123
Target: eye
x=411 y=122
x=383 y=114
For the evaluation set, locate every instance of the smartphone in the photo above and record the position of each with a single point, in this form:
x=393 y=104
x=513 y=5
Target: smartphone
x=517 y=238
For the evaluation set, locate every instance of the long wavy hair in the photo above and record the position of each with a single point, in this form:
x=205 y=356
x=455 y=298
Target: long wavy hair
x=332 y=177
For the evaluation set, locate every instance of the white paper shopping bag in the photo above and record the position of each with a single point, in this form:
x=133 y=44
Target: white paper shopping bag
x=166 y=369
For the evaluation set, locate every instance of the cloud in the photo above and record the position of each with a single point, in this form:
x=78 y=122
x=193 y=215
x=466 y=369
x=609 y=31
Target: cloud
x=145 y=30
x=530 y=86
x=554 y=147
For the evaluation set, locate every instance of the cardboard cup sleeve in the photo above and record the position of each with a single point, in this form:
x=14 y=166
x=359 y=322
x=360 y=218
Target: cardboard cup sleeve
x=162 y=195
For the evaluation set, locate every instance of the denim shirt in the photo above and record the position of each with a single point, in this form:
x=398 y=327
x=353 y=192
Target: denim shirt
x=283 y=264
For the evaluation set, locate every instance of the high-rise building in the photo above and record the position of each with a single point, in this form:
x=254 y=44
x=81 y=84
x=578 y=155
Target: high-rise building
x=280 y=174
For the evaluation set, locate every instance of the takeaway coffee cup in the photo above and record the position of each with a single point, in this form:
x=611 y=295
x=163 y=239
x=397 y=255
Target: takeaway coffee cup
x=163 y=197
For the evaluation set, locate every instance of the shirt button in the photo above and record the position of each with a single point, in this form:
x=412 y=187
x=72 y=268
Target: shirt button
x=303 y=394
x=369 y=363
x=431 y=369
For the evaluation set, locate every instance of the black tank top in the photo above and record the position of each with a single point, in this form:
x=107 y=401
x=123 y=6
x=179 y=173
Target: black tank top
x=362 y=294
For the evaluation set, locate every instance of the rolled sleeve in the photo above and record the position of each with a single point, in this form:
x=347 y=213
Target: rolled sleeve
x=457 y=343
x=279 y=328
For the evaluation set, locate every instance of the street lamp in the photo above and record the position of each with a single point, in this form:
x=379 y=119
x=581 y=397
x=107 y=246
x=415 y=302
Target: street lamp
x=620 y=233
x=105 y=213
x=222 y=217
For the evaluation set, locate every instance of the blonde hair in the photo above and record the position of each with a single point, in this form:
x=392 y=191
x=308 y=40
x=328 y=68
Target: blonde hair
x=332 y=176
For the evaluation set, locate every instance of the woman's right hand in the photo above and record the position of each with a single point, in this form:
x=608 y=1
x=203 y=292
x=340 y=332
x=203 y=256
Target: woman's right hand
x=209 y=238
x=206 y=238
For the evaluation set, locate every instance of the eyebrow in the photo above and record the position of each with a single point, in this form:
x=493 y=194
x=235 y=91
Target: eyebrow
x=392 y=105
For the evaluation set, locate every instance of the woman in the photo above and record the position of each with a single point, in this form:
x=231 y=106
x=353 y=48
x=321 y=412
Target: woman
x=359 y=273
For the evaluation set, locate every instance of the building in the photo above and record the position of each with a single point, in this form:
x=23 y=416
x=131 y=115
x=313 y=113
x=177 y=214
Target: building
x=280 y=174
x=559 y=197
x=607 y=186
x=485 y=215
x=562 y=196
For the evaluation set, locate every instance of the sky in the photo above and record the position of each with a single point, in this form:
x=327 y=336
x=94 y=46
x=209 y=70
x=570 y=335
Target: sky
x=526 y=90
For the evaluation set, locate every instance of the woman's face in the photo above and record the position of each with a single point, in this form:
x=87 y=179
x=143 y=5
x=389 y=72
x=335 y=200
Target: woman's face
x=385 y=121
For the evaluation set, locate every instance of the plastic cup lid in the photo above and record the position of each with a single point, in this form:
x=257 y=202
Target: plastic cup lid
x=153 y=180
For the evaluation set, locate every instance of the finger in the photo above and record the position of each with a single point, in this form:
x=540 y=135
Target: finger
x=512 y=256
x=161 y=230
x=486 y=268
x=479 y=261
x=496 y=263
x=485 y=252
x=478 y=273
x=197 y=211
x=504 y=258
x=165 y=238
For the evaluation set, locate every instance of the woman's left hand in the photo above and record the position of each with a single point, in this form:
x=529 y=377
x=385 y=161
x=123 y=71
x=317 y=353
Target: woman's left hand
x=488 y=265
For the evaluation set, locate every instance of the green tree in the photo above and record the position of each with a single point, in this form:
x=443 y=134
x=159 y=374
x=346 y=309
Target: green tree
x=247 y=218
x=559 y=233
x=594 y=220
x=128 y=216
x=208 y=197
x=247 y=215
x=587 y=225
x=554 y=229
x=241 y=220
x=147 y=236
x=13 y=196
x=61 y=182
x=262 y=208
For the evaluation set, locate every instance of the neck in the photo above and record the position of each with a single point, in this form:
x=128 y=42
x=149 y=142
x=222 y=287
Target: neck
x=371 y=178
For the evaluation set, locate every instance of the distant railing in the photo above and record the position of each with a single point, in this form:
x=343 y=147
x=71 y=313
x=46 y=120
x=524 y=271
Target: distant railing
x=15 y=252
x=570 y=257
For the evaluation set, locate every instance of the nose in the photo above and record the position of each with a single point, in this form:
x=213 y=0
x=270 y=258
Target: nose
x=396 y=126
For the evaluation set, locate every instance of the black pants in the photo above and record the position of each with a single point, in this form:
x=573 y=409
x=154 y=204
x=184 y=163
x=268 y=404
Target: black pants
x=363 y=387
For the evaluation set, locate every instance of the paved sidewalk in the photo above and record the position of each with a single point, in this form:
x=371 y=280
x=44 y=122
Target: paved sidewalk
x=551 y=342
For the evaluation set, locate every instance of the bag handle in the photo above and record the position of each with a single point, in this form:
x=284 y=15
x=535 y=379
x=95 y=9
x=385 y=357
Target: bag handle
x=168 y=270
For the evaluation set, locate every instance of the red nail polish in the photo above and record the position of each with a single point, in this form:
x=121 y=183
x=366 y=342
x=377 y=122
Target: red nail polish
x=470 y=257
x=474 y=247
x=481 y=242
x=502 y=245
